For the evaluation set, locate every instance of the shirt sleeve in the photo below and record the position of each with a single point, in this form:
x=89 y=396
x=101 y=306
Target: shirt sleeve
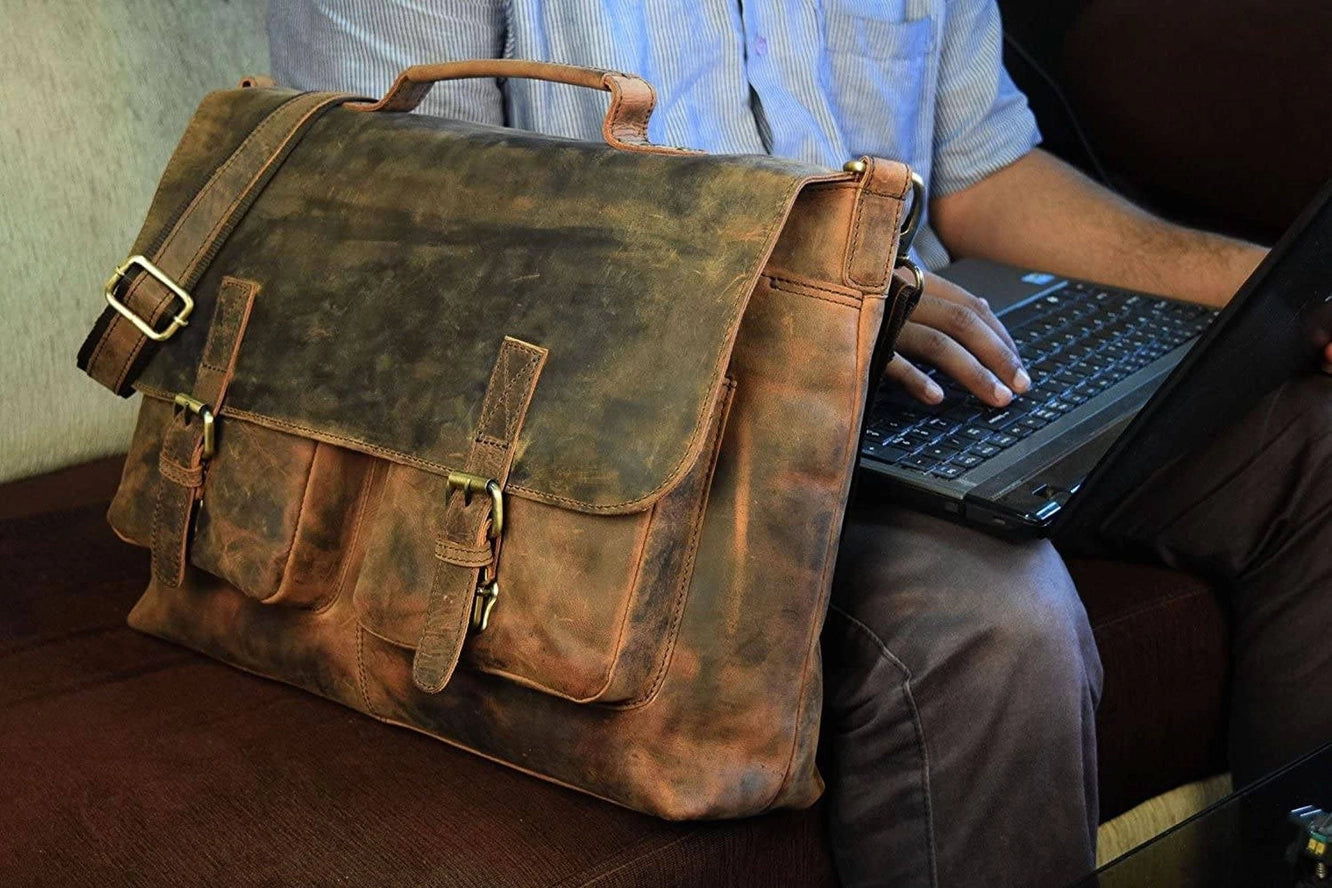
x=361 y=47
x=982 y=122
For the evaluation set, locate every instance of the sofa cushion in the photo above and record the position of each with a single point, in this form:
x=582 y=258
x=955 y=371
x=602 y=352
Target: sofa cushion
x=1164 y=643
x=130 y=761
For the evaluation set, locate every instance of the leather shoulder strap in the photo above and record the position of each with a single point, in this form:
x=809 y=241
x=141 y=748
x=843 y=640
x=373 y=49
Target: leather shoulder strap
x=117 y=348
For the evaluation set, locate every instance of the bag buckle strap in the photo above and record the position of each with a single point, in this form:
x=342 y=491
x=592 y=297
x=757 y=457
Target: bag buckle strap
x=487 y=591
x=205 y=413
x=180 y=319
x=464 y=590
x=469 y=484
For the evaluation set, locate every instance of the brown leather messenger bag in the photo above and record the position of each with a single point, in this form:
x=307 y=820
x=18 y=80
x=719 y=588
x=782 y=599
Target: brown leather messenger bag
x=536 y=445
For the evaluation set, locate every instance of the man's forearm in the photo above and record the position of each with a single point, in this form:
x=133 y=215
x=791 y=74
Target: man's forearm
x=1041 y=213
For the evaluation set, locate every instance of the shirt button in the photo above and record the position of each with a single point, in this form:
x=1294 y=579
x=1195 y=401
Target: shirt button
x=760 y=46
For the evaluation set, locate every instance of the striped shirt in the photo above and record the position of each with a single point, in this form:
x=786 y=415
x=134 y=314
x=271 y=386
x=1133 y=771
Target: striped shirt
x=817 y=80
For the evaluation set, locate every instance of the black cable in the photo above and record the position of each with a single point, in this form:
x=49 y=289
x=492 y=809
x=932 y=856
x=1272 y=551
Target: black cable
x=1044 y=75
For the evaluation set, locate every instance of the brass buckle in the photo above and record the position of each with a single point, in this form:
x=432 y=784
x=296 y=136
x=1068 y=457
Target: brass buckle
x=177 y=321
x=204 y=412
x=470 y=484
x=487 y=594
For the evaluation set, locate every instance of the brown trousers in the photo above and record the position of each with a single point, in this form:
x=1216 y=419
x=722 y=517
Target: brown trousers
x=963 y=678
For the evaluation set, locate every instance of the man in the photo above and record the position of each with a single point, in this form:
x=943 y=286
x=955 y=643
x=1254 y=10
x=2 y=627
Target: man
x=962 y=676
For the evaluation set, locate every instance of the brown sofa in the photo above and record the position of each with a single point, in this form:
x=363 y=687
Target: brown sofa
x=130 y=761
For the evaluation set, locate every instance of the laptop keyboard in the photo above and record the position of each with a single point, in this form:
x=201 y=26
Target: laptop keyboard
x=1076 y=343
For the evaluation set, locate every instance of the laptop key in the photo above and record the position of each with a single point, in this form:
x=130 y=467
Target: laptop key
x=887 y=454
x=1003 y=440
x=947 y=470
x=968 y=460
x=911 y=440
x=924 y=463
x=962 y=412
x=957 y=442
x=938 y=452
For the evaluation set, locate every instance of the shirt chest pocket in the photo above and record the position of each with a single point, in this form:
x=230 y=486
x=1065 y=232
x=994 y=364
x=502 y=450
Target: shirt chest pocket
x=883 y=81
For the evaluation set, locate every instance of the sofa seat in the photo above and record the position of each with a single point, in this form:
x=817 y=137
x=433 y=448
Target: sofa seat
x=129 y=761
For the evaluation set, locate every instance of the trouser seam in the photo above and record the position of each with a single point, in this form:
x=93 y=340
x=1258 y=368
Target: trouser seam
x=919 y=728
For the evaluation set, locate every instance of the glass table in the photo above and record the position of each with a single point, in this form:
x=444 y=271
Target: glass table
x=1239 y=841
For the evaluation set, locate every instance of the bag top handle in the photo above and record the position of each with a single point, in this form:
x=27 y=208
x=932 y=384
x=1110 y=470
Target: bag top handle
x=625 y=125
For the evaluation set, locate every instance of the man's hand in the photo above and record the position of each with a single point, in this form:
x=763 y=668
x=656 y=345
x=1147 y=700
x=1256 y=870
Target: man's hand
x=957 y=333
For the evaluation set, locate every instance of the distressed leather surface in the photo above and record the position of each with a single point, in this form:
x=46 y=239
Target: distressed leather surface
x=582 y=250
x=677 y=486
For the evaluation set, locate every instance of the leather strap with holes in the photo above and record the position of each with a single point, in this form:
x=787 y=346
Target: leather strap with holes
x=464 y=553
x=181 y=463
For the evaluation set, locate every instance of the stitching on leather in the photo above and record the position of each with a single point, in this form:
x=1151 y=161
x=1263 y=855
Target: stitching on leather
x=432 y=607
x=175 y=231
x=843 y=301
x=467 y=556
x=524 y=381
x=220 y=311
x=525 y=375
x=360 y=671
x=159 y=569
x=687 y=569
x=501 y=372
x=237 y=294
x=306 y=496
x=848 y=293
x=607 y=675
x=857 y=231
x=163 y=561
x=669 y=480
x=362 y=502
x=180 y=475
x=296 y=129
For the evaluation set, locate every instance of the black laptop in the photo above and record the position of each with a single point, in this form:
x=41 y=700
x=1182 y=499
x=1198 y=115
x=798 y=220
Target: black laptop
x=1122 y=383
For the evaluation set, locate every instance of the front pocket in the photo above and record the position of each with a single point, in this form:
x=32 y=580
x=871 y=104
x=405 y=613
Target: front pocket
x=589 y=604
x=277 y=514
x=883 y=83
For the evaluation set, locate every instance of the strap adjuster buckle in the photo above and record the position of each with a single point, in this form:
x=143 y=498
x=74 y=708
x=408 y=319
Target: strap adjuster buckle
x=205 y=413
x=177 y=321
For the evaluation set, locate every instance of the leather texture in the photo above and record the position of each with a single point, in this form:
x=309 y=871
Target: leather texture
x=116 y=349
x=185 y=445
x=661 y=359
x=625 y=126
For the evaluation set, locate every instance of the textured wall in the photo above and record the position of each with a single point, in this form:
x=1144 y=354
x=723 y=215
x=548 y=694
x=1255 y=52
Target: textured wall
x=93 y=96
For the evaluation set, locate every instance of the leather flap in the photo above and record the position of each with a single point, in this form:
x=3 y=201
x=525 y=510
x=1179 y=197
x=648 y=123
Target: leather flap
x=395 y=252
